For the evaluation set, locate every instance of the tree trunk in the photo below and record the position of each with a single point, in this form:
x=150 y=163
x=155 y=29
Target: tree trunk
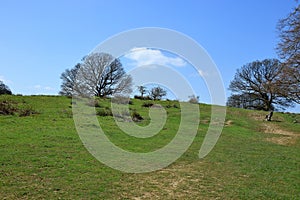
x=269 y=116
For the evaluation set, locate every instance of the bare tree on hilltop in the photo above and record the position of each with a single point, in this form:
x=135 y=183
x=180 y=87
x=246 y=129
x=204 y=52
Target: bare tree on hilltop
x=257 y=85
x=157 y=93
x=288 y=50
x=99 y=74
x=142 y=89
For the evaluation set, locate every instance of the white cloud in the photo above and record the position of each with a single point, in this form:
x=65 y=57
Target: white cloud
x=40 y=87
x=37 y=87
x=199 y=73
x=48 y=88
x=145 y=56
x=202 y=73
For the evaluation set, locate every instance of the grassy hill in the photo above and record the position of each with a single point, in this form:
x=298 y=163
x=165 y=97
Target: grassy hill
x=42 y=156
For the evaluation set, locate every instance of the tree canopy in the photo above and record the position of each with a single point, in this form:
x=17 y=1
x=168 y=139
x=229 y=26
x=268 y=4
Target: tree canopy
x=69 y=81
x=4 y=89
x=257 y=85
x=157 y=93
x=288 y=50
x=289 y=35
x=99 y=74
x=142 y=89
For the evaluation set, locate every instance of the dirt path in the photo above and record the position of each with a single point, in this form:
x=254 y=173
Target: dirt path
x=282 y=137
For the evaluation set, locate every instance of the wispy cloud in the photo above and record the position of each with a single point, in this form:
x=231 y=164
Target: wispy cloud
x=43 y=88
x=48 y=88
x=200 y=73
x=146 y=56
x=37 y=87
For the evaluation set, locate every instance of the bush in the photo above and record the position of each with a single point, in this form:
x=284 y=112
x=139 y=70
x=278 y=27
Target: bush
x=137 y=97
x=172 y=106
x=27 y=111
x=147 y=104
x=142 y=98
x=94 y=103
x=175 y=106
x=136 y=117
x=104 y=112
x=193 y=99
x=8 y=107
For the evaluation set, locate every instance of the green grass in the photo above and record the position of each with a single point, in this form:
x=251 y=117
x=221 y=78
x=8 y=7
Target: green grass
x=42 y=157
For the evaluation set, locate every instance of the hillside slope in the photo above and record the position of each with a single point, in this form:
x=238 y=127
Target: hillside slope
x=43 y=157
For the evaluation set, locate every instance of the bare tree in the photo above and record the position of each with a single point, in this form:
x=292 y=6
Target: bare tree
x=289 y=50
x=258 y=85
x=69 y=81
x=247 y=101
x=290 y=79
x=99 y=74
x=142 y=90
x=289 y=35
x=157 y=93
x=4 y=89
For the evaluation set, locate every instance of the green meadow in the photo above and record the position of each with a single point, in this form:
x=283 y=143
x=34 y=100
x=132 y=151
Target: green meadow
x=42 y=156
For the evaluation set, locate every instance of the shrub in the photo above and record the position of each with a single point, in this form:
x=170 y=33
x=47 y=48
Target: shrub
x=104 y=112
x=137 y=97
x=194 y=99
x=136 y=117
x=147 y=104
x=175 y=106
x=172 y=106
x=8 y=107
x=142 y=98
x=26 y=111
x=93 y=103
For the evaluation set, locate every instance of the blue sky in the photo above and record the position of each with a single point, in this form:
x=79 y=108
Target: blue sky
x=40 y=39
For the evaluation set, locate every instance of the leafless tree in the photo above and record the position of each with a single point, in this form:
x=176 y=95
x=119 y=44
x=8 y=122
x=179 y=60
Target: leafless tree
x=99 y=74
x=142 y=89
x=258 y=85
x=157 y=93
x=289 y=34
x=69 y=81
x=289 y=50
x=247 y=101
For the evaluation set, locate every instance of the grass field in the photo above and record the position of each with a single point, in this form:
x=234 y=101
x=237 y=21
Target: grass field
x=42 y=157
